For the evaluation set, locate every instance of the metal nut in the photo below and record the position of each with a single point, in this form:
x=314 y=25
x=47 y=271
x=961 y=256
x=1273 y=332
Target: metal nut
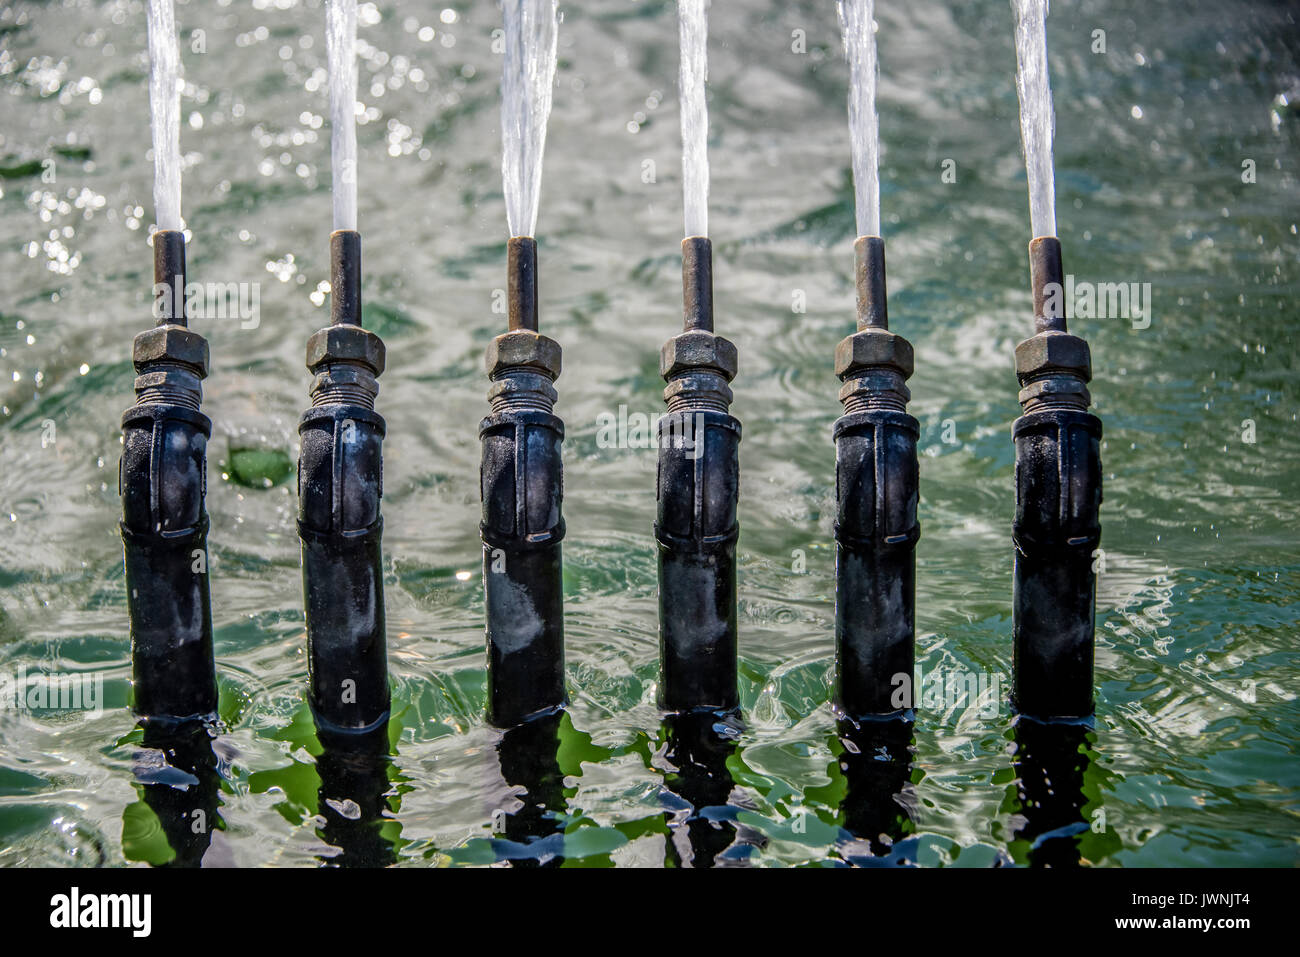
x=1053 y=351
x=698 y=349
x=171 y=343
x=872 y=348
x=523 y=347
x=344 y=342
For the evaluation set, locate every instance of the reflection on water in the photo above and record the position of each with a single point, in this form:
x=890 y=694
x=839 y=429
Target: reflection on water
x=1051 y=760
x=532 y=834
x=353 y=796
x=179 y=777
x=878 y=805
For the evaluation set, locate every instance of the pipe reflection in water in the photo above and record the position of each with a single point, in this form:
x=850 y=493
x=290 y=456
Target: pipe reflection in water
x=1051 y=759
x=532 y=834
x=354 y=798
x=701 y=819
x=180 y=775
x=879 y=804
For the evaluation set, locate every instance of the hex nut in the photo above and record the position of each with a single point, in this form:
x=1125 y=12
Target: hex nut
x=1053 y=352
x=871 y=348
x=523 y=347
x=171 y=343
x=698 y=349
x=344 y=342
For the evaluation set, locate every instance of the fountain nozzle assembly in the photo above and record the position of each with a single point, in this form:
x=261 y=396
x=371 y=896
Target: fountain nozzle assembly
x=1058 y=497
x=162 y=478
x=340 y=484
x=698 y=487
x=523 y=523
x=876 y=482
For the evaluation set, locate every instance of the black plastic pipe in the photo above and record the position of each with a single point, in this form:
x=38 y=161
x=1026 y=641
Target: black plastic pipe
x=697 y=491
x=879 y=805
x=1051 y=761
x=340 y=484
x=523 y=522
x=162 y=479
x=702 y=827
x=531 y=835
x=876 y=490
x=1058 y=497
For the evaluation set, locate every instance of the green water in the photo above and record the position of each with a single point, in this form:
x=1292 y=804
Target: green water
x=1191 y=758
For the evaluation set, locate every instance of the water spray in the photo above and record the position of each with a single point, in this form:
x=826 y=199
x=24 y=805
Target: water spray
x=522 y=476
x=1058 y=459
x=340 y=465
x=162 y=475
x=699 y=468
x=876 y=473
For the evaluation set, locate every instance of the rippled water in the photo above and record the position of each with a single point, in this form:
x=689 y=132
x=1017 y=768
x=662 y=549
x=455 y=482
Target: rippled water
x=1191 y=758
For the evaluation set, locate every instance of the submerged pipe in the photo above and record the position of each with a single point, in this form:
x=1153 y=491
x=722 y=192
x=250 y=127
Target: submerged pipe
x=162 y=479
x=522 y=493
x=1058 y=497
x=340 y=484
x=698 y=487
x=876 y=530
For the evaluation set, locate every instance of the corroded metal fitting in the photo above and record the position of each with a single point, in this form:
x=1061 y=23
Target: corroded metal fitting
x=874 y=365
x=345 y=342
x=1054 y=369
x=698 y=350
x=523 y=350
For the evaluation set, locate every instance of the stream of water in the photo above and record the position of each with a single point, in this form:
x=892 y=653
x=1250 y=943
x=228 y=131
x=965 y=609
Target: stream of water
x=341 y=47
x=165 y=112
x=527 y=83
x=1037 y=120
x=857 y=22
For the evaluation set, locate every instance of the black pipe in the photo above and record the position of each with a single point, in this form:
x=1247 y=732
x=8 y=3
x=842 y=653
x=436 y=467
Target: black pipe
x=876 y=530
x=340 y=484
x=162 y=479
x=697 y=491
x=523 y=523
x=1058 y=496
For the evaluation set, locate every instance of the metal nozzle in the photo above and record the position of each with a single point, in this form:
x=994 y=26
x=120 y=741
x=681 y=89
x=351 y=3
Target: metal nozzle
x=521 y=279
x=169 y=276
x=869 y=274
x=1045 y=270
x=697 y=283
x=345 y=277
